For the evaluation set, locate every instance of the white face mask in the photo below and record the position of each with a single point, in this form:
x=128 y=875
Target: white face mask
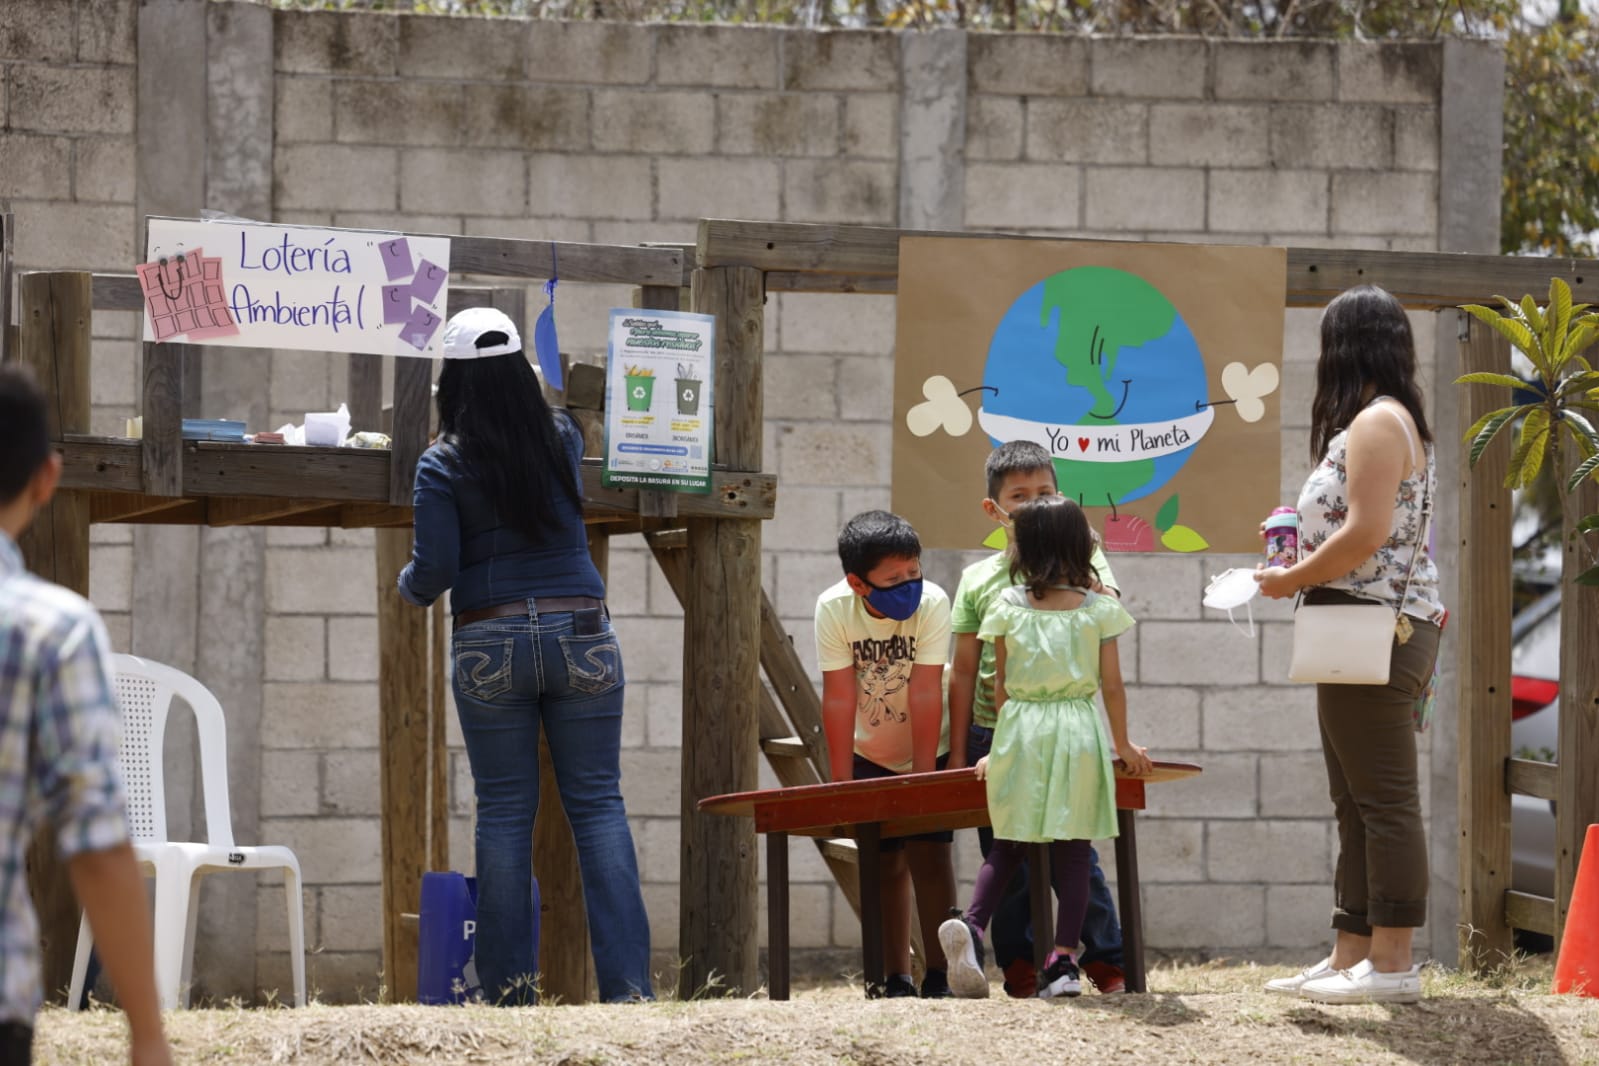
x=1230 y=590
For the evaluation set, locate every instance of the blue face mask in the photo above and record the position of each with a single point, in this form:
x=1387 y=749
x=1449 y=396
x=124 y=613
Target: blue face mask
x=898 y=602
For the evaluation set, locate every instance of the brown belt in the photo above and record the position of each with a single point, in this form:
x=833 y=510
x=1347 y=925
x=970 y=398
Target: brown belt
x=542 y=604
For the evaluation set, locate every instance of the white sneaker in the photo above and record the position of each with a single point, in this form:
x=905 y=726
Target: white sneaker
x=1290 y=986
x=963 y=952
x=1364 y=984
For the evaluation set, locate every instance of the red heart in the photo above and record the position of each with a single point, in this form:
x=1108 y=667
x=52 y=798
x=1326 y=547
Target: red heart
x=1082 y=442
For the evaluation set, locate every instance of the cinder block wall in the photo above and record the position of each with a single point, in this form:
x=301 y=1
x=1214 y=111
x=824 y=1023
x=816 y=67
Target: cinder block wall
x=627 y=133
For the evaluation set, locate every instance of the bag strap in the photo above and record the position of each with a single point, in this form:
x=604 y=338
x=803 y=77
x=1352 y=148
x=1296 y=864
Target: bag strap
x=1421 y=530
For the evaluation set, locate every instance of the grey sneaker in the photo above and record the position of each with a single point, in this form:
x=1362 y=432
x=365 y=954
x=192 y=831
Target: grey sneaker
x=1364 y=984
x=963 y=948
x=1290 y=986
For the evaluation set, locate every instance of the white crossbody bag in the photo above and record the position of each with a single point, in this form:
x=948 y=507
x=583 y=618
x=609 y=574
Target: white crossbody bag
x=1352 y=643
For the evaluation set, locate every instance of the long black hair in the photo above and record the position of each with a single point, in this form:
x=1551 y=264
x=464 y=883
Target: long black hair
x=492 y=411
x=1052 y=544
x=1365 y=342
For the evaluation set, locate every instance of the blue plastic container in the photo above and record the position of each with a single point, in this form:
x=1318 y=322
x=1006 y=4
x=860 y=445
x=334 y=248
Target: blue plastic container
x=448 y=936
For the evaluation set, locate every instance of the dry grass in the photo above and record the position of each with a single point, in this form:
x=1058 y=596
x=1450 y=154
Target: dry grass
x=1212 y=1013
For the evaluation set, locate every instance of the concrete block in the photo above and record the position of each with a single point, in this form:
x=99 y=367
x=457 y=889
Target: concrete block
x=627 y=583
x=295 y=537
x=484 y=49
x=33 y=166
x=346 y=43
x=833 y=454
x=810 y=917
x=1276 y=652
x=397 y=113
x=303 y=109
x=800 y=386
x=652 y=648
x=731 y=188
x=806 y=519
x=651 y=783
x=1080 y=130
x=601 y=53
x=119 y=630
x=350 y=782
x=290 y=784
x=1282 y=201
x=994 y=128
x=463 y=846
x=272 y=921
x=108 y=32
x=871 y=125
x=661 y=906
x=318 y=715
x=665 y=232
x=846 y=932
x=103 y=169
x=1162 y=69
x=1331 y=136
x=1278 y=851
x=108 y=533
x=111 y=578
x=534 y=229
x=295 y=648
x=840 y=59
x=1208 y=135
x=1261 y=718
x=840 y=190
x=589 y=186
x=1391 y=203
x=1294 y=785
x=1197 y=653
x=1158 y=587
x=325 y=581
x=530 y=118
x=113 y=373
x=659 y=845
x=664 y=123
x=353 y=649
x=319 y=176
x=1204 y=916
x=1297 y=915
x=462 y=793
x=866 y=388
x=1274 y=70
x=121 y=325
x=1226 y=788
x=480 y=182
x=663 y=717
x=1027 y=64
x=777 y=124
x=37 y=31
x=844 y=324
x=65 y=236
x=1163 y=717
x=351 y=918
x=331 y=850
x=1170 y=849
x=663 y=601
x=1023 y=195
x=801 y=577
x=733 y=57
x=1409 y=72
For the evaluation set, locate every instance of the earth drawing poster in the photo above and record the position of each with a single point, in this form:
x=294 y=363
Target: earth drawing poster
x=1150 y=372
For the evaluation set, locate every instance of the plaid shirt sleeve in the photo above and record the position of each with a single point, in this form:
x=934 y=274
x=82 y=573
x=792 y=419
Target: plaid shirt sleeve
x=76 y=730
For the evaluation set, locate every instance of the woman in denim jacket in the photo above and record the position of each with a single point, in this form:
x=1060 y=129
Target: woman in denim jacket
x=499 y=523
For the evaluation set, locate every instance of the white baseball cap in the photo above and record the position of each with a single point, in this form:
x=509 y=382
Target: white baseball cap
x=461 y=334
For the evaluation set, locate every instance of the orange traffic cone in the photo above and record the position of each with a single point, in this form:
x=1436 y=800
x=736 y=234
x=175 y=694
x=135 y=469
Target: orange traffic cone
x=1578 y=968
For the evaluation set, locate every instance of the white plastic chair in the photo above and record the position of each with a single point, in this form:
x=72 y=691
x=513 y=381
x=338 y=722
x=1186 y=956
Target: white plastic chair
x=145 y=690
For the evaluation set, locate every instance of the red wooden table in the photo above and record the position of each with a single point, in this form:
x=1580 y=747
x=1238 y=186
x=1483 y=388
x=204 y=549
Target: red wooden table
x=906 y=805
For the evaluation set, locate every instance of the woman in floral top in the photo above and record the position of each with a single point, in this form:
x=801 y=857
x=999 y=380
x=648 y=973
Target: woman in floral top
x=1362 y=518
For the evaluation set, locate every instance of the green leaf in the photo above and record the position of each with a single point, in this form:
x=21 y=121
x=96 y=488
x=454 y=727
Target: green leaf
x=1576 y=383
x=1588 y=577
x=997 y=539
x=1586 y=468
x=1486 y=429
x=1529 y=307
x=1166 y=517
x=1484 y=377
x=1183 y=539
x=1527 y=459
x=1511 y=330
x=1559 y=313
x=1582 y=336
x=1588 y=524
x=1581 y=429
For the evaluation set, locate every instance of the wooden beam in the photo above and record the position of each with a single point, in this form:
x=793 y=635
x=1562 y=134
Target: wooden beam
x=1526 y=911
x=792 y=684
x=373 y=516
x=1484 y=692
x=1525 y=777
x=734 y=494
x=135 y=506
x=105 y=464
x=1577 y=742
x=503 y=257
x=260 y=510
x=217 y=468
x=8 y=338
x=117 y=292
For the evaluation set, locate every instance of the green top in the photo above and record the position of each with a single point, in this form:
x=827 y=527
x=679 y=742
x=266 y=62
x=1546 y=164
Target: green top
x=981 y=584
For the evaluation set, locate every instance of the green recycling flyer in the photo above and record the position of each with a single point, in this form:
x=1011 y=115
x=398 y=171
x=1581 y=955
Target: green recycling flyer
x=658 y=400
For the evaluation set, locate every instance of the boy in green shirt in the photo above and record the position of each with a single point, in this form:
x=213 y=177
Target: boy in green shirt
x=1017 y=472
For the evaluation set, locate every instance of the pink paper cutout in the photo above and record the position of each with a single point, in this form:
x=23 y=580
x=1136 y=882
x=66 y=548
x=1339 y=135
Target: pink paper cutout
x=429 y=276
x=184 y=294
x=397 y=258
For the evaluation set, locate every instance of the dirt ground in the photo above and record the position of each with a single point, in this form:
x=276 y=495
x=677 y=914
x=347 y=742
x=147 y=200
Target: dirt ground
x=1212 y=1013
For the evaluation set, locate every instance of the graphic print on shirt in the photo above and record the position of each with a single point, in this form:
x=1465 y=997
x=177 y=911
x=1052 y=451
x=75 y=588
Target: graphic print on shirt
x=882 y=671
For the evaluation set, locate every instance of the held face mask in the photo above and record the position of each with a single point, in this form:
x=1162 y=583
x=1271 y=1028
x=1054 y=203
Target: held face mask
x=1232 y=589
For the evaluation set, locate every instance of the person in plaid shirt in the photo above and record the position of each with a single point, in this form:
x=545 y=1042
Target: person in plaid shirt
x=59 y=726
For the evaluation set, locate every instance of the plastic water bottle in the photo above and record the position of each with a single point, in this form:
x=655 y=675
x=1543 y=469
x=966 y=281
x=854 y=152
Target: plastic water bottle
x=1282 y=537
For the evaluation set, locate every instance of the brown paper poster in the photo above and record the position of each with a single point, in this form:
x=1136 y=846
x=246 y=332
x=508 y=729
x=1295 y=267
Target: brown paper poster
x=1149 y=371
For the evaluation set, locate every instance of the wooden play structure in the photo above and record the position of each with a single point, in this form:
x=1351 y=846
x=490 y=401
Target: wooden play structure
x=709 y=549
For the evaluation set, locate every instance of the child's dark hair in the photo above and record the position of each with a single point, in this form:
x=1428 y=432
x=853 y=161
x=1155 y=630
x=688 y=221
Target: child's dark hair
x=1015 y=457
x=1051 y=544
x=24 y=431
x=872 y=536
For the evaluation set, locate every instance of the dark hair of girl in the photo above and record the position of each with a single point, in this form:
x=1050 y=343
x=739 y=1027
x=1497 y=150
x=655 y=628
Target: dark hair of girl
x=1051 y=544
x=493 y=412
x=1365 y=343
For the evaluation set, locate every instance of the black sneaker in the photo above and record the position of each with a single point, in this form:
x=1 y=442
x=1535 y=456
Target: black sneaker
x=898 y=986
x=963 y=948
x=935 y=985
x=1060 y=978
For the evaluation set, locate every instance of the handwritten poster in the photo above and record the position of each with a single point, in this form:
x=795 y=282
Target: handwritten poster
x=1150 y=373
x=658 y=400
x=258 y=285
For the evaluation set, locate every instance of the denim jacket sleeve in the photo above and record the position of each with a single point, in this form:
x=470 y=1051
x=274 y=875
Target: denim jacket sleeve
x=436 y=547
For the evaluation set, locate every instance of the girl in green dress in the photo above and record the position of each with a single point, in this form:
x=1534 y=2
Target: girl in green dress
x=1049 y=773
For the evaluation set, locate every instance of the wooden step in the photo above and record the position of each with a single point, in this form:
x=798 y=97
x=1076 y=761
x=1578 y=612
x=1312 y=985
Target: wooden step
x=840 y=848
x=785 y=747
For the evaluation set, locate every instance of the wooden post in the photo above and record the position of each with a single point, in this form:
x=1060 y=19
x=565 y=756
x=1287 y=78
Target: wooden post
x=438 y=850
x=1483 y=615
x=161 y=450
x=721 y=663
x=364 y=386
x=1577 y=787
x=53 y=340
x=8 y=336
x=413 y=393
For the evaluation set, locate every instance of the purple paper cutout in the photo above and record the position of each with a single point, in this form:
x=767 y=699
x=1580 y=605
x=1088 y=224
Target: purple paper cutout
x=429 y=277
x=396 y=303
x=419 y=328
x=397 y=258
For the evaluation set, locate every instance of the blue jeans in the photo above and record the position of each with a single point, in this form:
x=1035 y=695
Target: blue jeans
x=564 y=670
x=1012 y=928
